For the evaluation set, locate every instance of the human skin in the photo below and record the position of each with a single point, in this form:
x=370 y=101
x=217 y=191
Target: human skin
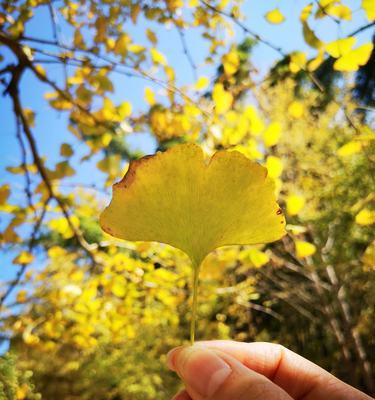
x=227 y=370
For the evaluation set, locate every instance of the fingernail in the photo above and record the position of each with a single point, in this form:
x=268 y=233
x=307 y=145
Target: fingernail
x=170 y=357
x=201 y=369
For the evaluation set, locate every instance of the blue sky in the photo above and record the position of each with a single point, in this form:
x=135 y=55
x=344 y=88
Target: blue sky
x=50 y=130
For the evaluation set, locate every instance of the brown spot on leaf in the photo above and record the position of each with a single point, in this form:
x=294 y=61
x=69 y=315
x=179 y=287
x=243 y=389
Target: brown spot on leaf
x=129 y=177
x=279 y=211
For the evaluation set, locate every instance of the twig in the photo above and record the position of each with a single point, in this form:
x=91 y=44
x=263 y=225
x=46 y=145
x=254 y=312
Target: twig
x=30 y=247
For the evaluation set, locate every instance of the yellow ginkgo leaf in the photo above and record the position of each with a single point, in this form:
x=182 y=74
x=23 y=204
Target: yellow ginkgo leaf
x=365 y=217
x=157 y=57
x=353 y=60
x=296 y=109
x=297 y=62
x=231 y=62
x=201 y=83
x=23 y=258
x=274 y=166
x=275 y=16
x=223 y=100
x=304 y=249
x=272 y=134
x=350 y=148
x=197 y=205
x=340 y=47
x=294 y=204
x=348 y=59
x=258 y=258
x=149 y=96
x=369 y=8
x=340 y=11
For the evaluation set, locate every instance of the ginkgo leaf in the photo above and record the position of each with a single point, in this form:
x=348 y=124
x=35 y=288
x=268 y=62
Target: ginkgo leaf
x=272 y=134
x=157 y=57
x=23 y=258
x=274 y=166
x=348 y=59
x=297 y=62
x=150 y=96
x=296 y=109
x=201 y=83
x=223 y=100
x=294 y=204
x=365 y=217
x=197 y=205
x=353 y=60
x=231 y=62
x=340 y=47
x=304 y=249
x=369 y=8
x=275 y=16
x=350 y=148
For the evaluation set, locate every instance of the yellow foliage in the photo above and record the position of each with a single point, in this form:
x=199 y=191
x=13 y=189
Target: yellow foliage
x=304 y=249
x=294 y=204
x=369 y=8
x=201 y=83
x=150 y=96
x=274 y=166
x=231 y=62
x=223 y=100
x=24 y=257
x=296 y=109
x=275 y=16
x=272 y=134
x=365 y=217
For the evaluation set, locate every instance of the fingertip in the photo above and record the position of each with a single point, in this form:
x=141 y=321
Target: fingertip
x=171 y=357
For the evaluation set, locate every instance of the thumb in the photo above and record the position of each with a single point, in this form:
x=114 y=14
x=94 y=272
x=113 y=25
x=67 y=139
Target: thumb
x=212 y=374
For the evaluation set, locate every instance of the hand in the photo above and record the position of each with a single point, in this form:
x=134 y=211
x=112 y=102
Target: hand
x=226 y=370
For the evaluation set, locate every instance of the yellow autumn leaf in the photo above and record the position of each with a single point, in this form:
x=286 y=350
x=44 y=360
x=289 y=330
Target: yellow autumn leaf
x=304 y=249
x=349 y=149
x=272 y=134
x=310 y=37
x=231 y=62
x=4 y=193
x=197 y=205
x=348 y=59
x=340 y=11
x=66 y=150
x=24 y=257
x=274 y=167
x=341 y=46
x=305 y=12
x=297 y=62
x=149 y=96
x=258 y=258
x=353 y=60
x=201 y=83
x=365 y=217
x=157 y=57
x=369 y=8
x=315 y=63
x=275 y=16
x=223 y=100
x=296 y=109
x=294 y=204
x=124 y=110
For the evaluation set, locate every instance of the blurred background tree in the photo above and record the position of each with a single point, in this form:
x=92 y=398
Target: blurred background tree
x=90 y=85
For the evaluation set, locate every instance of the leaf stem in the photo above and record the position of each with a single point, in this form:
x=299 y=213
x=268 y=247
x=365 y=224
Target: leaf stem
x=196 y=268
